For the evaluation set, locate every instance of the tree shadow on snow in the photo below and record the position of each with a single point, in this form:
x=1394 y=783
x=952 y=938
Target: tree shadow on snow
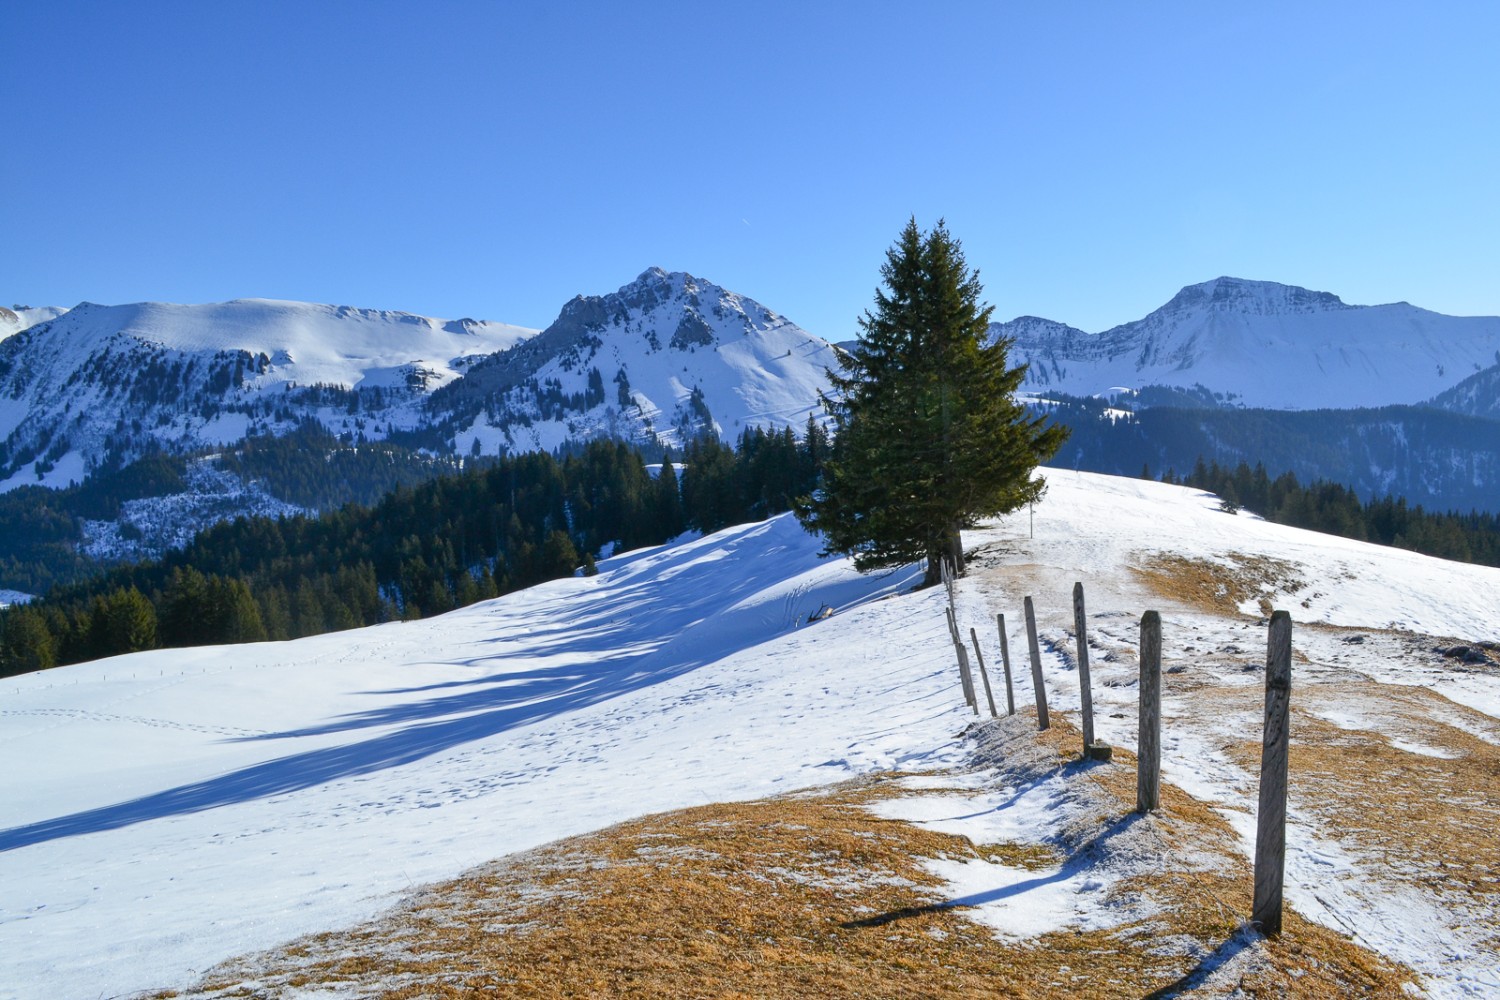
x=635 y=634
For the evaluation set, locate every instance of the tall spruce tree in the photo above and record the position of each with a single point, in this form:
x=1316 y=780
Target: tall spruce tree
x=929 y=437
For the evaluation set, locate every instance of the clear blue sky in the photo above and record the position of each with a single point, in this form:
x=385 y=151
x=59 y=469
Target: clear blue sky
x=495 y=159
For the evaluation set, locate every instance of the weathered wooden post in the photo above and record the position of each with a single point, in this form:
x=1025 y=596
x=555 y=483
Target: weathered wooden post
x=963 y=662
x=1042 y=722
x=1085 y=687
x=964 y=674
x=984 y=674
x=1270 y=827
x=1148 y=758
x=1010 y=694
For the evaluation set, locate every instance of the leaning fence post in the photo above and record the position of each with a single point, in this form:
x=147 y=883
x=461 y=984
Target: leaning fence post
x=1270 y=829
x=963 y=663
x=1010 y=694
x=1148 y=757
x=964 y=674
x=1042 y=722
x=1085 y=687
x=984 y=675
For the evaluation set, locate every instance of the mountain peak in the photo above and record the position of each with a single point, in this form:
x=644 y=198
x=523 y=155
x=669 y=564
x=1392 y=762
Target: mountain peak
x=1243 y=295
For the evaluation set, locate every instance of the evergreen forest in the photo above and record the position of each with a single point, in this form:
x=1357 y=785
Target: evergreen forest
x=421 y=550
x=1338 y=510
x=520 y=520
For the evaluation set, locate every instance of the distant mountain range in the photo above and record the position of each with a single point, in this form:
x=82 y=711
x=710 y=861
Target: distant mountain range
x=1387 y=399
x=1226 y=370
x=663 y=358
x=1261 y=344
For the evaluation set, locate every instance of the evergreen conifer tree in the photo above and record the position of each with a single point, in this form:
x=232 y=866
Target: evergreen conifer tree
x=929 y=438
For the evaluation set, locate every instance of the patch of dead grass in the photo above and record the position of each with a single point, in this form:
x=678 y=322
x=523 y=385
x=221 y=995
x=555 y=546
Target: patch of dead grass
x=1219 y=587
x=810 y=895
x=1427 y=821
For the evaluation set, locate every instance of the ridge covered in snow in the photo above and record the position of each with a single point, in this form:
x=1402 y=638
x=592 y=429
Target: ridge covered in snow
x=664 y=357
x=1262 y=344
x=101 y=383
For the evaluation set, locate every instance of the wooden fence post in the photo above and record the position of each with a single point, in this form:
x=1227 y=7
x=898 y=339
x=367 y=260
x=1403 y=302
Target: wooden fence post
x=1085 y=686
x=964 y=674
x=1270 y=827
x=1010 y=694
x=984 y=674
x=963 y=662
x=1148 y=757
x=1042 y=721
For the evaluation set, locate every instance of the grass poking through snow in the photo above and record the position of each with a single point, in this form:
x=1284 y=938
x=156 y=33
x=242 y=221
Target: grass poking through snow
x=811 y=895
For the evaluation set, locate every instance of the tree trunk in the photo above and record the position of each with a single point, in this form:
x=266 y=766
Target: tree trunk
x=947 y=547
x=954 y=542
x=934 y=573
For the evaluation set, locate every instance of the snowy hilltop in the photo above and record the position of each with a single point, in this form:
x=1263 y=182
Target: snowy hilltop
x=102 y=384
x=664 y=358
x=1263 y=344
x=169 y=810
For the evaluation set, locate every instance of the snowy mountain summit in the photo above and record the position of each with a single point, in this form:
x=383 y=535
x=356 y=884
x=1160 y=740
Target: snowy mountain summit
x=1260 y=343
x=657 y=361
x=98 y=384
x=18 y=318
x=666 y=356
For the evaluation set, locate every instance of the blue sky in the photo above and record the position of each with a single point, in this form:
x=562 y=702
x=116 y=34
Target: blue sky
x=495 y=159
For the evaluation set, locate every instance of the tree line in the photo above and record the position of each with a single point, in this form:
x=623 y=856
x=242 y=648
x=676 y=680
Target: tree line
x=1338 y=510
x=42 y=530
x=421 y=550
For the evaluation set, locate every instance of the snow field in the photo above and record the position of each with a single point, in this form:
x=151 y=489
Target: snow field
x=167 y=810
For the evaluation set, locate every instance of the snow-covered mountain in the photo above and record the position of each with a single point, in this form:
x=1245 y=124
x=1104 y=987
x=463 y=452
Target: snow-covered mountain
x=104 y=383
x=1477 y=396
x=18 y=318
x=658 y=360
x=1263 y=344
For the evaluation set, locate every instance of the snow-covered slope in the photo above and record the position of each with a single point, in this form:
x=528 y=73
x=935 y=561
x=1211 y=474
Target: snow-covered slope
x=660 y=359
x=13 y=321
x=165 y=810
x=663 y=358
x=99 y=380
x=1262 y=344
x=1478 y=395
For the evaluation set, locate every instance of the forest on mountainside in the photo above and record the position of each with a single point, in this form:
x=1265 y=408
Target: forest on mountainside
x=1438 y=459
x=420 y=551
x=43 y=531
x=520 y=520
x=1338 y=510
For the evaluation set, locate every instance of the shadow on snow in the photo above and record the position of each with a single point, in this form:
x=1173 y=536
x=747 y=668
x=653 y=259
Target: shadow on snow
x=611 y=639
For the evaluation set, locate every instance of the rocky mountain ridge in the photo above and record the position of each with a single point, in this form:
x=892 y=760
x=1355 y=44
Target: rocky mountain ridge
x=663 y=358
x=1262 y=344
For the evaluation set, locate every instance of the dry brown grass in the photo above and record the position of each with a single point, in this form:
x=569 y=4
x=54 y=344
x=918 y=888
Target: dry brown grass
x=810 y=895
x=1219 y=587
x=1428 y=821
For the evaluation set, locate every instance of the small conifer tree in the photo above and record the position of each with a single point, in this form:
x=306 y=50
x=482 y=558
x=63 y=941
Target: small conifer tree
x=929 y=438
